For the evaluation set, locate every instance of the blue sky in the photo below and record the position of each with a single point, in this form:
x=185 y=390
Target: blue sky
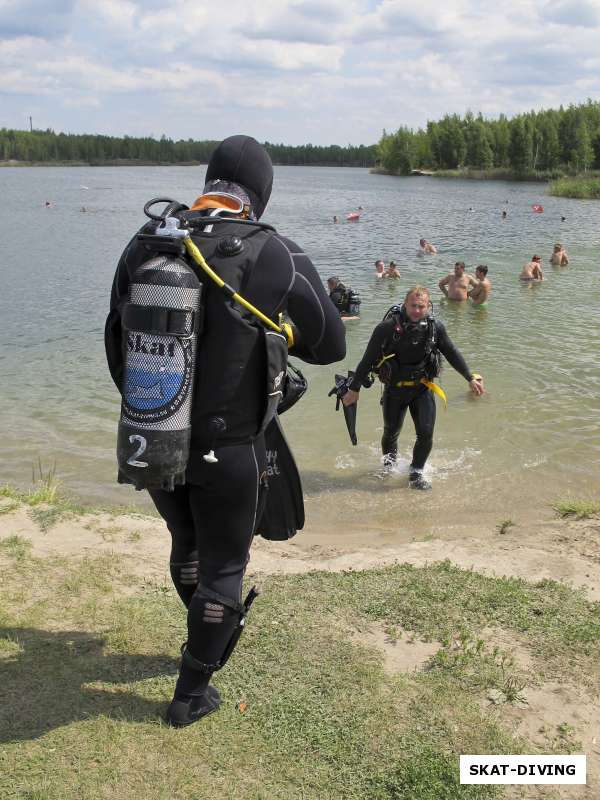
x=336 y=71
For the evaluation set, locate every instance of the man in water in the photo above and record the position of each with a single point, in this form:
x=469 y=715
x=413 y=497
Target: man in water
x=559 y=257
x=405 y=349
x=379 y=268
x=532 y=271
x=392 y=271
x=345 y=300
x=337 y=292
x=456 y=285
x=426 y=247
x=482 y=288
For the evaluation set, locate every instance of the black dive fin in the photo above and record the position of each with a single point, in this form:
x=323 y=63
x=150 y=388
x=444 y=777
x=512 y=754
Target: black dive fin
x=283 y=514
x=342 y=384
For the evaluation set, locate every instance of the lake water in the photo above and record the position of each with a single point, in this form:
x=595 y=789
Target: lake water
x=531 y=439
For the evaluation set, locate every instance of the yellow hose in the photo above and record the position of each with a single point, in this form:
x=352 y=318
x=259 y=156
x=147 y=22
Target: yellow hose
x=197 y=256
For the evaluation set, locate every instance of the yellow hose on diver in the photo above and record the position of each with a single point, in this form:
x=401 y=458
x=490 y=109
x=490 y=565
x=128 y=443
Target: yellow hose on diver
x=284 y=328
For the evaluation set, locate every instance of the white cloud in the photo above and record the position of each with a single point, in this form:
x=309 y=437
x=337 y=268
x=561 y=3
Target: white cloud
x=337 y=70
x=575 y=13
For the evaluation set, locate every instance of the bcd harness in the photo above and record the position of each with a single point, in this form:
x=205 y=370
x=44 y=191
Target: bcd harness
x=422 y=373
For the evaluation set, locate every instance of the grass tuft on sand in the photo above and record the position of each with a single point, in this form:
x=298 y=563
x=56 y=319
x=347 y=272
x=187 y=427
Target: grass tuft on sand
x=580 y=509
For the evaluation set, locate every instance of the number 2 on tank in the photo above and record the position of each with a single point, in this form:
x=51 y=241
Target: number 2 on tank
x=141 y=449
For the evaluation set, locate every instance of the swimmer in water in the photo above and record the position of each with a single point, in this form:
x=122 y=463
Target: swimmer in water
x=335 y=219
x=532 y=271
x=379 y=268
x=559 y=257
x=456 y=284
x=482 y=287
x=504 y=215
x=426 y=247
x=392 y=271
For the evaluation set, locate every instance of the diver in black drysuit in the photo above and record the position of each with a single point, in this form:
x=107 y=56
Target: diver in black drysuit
x=338 y=295
x=414 y=347
x=212 y=517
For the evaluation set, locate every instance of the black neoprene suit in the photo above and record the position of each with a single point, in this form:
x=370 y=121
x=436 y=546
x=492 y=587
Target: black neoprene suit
x=409 y=347
x=212 y=517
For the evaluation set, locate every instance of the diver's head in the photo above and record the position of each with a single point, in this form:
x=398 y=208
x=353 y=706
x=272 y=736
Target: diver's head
x=417 y=303
x=332 y=282
x=459 y=269
x=481 y=271
x=243 y=162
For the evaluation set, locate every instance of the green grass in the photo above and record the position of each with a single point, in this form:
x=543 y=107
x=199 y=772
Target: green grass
x=88 y=669
x=44 y=498
x=15 y=546
x=581 y=187
x=504 y=526
x=498 y=173
x=47 y=503
x=580 y=509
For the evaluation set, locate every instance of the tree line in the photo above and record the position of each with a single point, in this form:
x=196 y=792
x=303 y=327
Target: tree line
x=48 y=147
x=556 y=141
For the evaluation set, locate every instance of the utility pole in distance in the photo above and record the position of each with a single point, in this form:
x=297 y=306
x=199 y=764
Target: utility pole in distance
x=30 y=124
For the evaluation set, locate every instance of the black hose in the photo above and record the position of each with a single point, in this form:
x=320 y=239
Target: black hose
x=171 y=208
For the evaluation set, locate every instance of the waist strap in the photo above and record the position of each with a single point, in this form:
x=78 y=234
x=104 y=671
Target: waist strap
x=433 y=387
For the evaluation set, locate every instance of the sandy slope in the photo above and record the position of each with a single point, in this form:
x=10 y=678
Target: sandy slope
x=563 y=550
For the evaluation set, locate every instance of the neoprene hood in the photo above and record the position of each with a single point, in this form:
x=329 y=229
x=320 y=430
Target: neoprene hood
x=241 y=159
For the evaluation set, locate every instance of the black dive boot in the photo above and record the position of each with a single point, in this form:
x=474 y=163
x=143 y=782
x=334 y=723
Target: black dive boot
x=221 y=621
x=417 y=481
x=193 y=698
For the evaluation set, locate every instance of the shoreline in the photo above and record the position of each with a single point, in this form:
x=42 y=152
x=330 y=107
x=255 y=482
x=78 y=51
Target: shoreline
x=469 y=174
x=577 y=187
x=124 y=162
x=562 y=547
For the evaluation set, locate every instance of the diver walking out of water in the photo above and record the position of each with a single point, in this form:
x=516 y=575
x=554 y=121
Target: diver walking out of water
x=405 y=350
x=214 y=506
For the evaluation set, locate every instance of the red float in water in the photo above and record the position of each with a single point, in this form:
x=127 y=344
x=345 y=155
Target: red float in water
x=354 y=216
x=538 y=209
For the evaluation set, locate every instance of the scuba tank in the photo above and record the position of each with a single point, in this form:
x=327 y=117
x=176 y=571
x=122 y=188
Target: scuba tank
x=353 y=302
x=161 y=324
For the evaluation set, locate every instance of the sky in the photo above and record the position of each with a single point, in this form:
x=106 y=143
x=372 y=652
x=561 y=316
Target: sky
x=327 y=72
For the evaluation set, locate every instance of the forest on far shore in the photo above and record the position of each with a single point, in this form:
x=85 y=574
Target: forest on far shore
x=542 y=143
x=50 y=147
